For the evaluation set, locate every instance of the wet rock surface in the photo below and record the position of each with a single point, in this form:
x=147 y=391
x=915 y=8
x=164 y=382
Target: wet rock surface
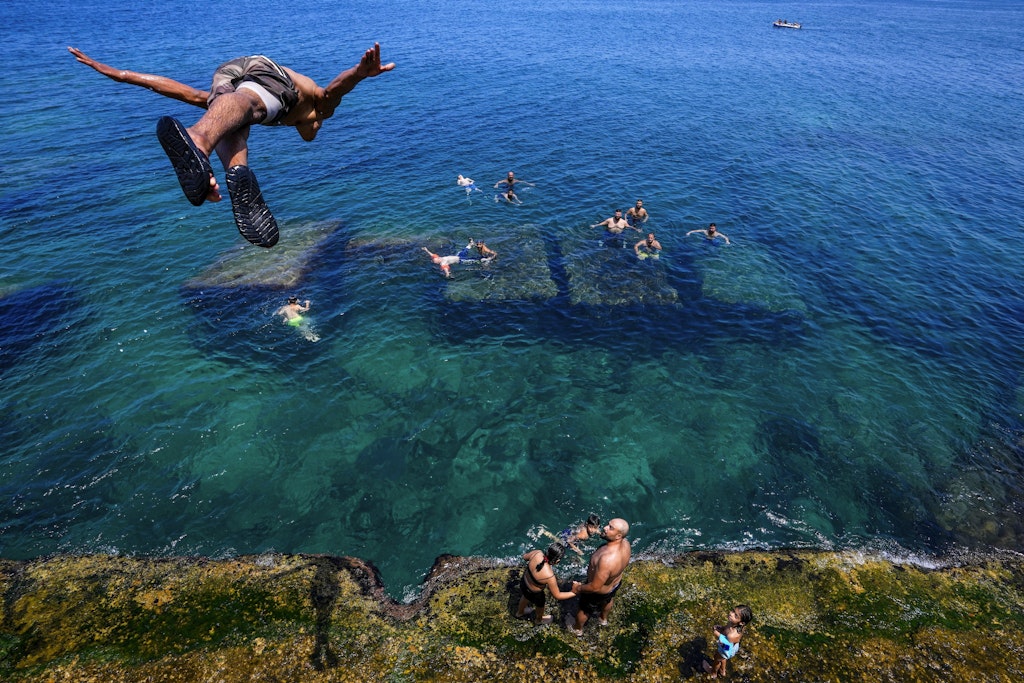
x=817 y=616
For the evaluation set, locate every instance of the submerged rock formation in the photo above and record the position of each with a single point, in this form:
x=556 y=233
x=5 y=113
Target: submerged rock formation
x=253 y=267
x=817 y=616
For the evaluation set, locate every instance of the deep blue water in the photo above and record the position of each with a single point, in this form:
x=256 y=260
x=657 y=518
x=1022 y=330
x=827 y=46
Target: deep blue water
x=845 y=374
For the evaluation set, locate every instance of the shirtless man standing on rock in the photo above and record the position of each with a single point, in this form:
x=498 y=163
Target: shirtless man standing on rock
x=604 y=574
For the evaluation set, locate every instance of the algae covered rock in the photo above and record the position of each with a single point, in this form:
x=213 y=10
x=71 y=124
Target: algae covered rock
x=282 y=268
x=608 y=273
x=520 y=272
x=817 y=617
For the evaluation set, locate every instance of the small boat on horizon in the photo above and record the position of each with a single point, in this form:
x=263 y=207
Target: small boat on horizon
x=782 y=23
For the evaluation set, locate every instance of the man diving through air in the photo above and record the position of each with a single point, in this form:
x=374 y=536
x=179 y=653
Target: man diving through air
x=245 y=91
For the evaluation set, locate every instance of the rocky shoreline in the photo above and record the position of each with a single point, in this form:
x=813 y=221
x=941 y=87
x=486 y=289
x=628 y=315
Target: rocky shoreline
x=819 y=616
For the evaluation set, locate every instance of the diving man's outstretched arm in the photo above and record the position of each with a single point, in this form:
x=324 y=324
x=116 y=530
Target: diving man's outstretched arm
x=161 y=85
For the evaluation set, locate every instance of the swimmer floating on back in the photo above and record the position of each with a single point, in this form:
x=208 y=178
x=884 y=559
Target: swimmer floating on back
x=445 y=263
x=468 y=184
x=711 y=233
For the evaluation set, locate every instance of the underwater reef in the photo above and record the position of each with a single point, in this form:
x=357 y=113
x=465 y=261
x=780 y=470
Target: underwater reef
x=818 y=616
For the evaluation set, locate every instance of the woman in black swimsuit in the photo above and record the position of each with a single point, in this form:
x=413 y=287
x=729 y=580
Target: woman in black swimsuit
x=537 y=575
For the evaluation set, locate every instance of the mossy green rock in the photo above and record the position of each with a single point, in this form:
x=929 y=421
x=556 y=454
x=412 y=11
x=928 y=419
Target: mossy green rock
x=818 y=617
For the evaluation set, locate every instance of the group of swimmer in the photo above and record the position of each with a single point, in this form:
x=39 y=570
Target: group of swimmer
x=257 y=90
x=478 y=251
x=508 y=181
x=635 y=216
x=484 y=254
x=604 y=577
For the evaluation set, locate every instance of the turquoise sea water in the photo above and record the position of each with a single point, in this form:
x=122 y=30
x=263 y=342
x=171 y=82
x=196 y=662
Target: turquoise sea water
x=847 y=373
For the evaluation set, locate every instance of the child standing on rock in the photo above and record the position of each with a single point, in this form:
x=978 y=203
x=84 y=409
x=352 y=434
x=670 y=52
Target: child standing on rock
x=727 y=639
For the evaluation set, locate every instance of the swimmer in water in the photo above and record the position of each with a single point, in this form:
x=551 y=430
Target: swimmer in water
x=468 y=184
x=613 y=228
x=616 y=224
x=711 y=233
x=484 y=253
x=590 y=527
x=637 y=214
x=445 y=263
x=650 y=246
x=292 y=311
x=509 y=196
x=510 y=180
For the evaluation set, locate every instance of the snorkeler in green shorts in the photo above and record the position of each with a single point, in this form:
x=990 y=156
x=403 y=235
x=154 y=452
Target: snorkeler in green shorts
x=292 y=311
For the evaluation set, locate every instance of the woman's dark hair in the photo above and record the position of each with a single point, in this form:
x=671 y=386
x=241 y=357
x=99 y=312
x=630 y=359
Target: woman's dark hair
x=554 y=552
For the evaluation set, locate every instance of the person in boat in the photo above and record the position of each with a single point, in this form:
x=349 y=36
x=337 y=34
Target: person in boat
x=711 y=233
x=245 y=91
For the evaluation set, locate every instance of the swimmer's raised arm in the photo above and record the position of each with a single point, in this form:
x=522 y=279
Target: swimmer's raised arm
x=161 y=85
x=704 y=232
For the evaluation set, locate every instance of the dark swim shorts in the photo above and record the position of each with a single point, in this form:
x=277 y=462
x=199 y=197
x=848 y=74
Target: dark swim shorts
x=262 y=71
x=590 y=602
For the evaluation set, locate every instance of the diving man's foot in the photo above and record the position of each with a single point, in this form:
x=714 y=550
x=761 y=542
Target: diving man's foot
x=252 y=215
x=191 y=165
